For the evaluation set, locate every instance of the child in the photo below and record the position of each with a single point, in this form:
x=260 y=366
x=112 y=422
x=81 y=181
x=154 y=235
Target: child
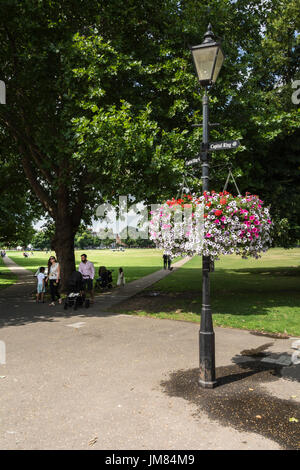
x=121 y=278
x=40 y=285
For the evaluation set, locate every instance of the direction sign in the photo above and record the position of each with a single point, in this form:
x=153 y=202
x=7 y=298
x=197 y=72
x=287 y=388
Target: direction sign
x=193 y=162
x=226 y=145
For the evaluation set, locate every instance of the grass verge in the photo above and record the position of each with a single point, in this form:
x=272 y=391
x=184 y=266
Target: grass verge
x=260 y=295
x=6 y=276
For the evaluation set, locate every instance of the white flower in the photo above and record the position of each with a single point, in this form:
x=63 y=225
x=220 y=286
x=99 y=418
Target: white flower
x=182 y=236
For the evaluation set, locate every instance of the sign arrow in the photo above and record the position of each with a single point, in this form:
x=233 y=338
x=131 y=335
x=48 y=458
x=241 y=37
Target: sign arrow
x=193 y=162
x=225 y=145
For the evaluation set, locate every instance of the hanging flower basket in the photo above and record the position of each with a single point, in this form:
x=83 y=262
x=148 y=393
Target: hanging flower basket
x=212 y=225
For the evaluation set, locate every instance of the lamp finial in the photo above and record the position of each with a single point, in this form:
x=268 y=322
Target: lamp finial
x=209 y=35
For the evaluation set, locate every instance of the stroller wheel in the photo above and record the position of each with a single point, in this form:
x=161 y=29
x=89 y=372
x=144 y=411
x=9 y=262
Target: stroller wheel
x=87 y=303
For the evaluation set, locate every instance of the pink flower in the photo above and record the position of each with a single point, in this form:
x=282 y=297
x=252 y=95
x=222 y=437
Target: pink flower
x=208 y=235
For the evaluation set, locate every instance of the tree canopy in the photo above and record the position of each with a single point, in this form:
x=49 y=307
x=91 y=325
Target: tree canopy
x=101 y=97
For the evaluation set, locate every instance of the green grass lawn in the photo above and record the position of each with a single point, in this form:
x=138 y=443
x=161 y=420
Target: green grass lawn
x=252 y=294
x=6 y=276
x=135 y=262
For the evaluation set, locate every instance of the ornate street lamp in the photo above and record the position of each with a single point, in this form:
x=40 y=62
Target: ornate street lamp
x=208 y=59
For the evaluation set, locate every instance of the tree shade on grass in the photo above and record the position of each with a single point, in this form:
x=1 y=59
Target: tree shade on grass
x=6 y=276
x=251 y=294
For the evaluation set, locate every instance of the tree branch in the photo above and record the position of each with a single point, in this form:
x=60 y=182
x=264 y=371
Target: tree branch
x=42 y=195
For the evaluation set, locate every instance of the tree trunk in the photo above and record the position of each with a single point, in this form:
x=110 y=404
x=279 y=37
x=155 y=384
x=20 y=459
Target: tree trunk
x=63 y=245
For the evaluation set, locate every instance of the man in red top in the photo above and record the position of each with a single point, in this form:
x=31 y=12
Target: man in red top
x=86 y=268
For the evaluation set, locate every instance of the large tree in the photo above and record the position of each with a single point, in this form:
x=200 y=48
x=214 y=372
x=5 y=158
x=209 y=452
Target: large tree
x=50 y=101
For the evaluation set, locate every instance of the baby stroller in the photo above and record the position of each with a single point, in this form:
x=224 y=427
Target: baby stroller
x=75 y=296
x=104 y=281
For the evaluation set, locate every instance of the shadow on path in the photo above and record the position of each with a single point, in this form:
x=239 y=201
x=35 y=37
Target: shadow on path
x=240 y=402
x=18 y=306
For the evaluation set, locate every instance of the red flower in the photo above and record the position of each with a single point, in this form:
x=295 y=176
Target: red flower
x=223 y=201
x=218 y=212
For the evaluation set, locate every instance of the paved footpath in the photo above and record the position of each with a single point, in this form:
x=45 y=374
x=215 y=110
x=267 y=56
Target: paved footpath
x=92 y=380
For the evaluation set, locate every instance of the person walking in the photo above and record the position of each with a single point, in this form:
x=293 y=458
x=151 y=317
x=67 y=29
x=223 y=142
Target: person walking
x=54 y=278
x=165 y=258
x=167 y=261
x=86 y=268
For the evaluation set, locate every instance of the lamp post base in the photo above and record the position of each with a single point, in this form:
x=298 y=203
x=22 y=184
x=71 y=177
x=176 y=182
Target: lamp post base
x=207 y=371
x=204 y=384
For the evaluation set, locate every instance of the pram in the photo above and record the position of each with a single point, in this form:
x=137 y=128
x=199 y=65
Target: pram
x=105 y=278
x=75 y=295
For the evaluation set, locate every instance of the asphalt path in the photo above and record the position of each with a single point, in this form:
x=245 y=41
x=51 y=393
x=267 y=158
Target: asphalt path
x=100 y=380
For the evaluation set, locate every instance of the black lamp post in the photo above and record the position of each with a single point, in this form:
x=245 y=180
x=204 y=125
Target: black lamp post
x=208 y=59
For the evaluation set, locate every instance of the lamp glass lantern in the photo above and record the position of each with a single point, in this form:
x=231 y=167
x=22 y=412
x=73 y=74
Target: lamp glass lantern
x=208 y=59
